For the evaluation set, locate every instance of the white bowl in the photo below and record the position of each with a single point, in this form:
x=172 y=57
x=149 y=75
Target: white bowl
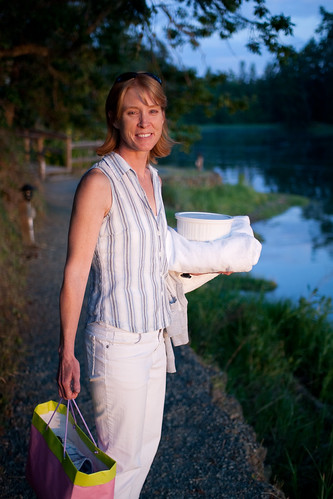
x=202 y=226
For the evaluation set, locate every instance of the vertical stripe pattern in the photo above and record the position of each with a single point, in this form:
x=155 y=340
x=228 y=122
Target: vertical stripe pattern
x=129 y=265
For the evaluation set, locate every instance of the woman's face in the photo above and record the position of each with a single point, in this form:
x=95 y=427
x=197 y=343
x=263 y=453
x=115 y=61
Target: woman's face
x=141 y=122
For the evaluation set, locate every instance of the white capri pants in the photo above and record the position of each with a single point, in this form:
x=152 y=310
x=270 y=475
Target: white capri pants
x=127 y=374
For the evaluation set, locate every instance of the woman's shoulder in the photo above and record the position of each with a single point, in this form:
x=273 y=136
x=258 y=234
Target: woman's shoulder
x=94 y=175
x=94 y=191
x=94 y=180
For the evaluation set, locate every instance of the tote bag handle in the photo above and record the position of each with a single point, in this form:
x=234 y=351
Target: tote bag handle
x=70 y=404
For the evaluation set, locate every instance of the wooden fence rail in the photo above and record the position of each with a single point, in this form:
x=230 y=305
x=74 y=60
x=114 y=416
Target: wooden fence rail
x=84 y=145
x=38 y=137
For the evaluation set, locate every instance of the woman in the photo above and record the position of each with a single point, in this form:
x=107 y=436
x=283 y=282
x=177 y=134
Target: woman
x=118 y=229
x=118 y=226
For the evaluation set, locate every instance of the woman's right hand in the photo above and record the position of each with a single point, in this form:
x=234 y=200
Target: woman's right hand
x=68 y=377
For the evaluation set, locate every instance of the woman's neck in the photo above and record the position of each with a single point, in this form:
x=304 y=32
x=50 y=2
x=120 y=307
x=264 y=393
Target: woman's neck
x=138 y=160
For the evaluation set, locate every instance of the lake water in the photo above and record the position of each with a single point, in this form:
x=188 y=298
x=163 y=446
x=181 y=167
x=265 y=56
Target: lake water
x=298 y=245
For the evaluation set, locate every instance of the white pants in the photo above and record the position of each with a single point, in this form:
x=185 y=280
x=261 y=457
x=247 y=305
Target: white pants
x=127 y=373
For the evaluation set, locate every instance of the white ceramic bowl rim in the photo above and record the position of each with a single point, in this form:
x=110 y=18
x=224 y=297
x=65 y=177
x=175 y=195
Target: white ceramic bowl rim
x=202 y=217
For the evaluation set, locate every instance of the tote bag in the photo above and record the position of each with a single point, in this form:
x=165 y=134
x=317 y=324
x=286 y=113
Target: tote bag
x=81 y=472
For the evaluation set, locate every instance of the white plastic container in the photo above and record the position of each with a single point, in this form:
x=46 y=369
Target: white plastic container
x=202 y=226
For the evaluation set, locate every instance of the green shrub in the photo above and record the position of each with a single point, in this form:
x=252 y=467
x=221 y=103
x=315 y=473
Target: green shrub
x=180 y=194
x=278 y=358
x=13 y=174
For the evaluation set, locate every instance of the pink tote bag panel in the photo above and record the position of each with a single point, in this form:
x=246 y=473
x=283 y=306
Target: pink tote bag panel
x=48 y=478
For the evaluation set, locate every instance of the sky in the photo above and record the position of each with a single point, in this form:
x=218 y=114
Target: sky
x=223 y=56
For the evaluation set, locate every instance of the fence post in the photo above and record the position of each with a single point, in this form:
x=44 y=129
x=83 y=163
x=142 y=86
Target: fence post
x=69 y=153
x=41 y=159
x=27 y=146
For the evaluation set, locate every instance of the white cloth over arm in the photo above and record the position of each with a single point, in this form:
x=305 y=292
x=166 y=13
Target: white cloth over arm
x=236 y=252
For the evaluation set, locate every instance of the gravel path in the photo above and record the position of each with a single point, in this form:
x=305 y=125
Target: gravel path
x=206 y=449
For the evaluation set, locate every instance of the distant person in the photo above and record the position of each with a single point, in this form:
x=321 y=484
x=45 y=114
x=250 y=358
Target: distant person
x=199 y=162
x=118 y=230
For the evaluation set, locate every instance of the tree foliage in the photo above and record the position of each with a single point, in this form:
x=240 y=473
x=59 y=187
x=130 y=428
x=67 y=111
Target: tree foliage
x=225 y=17
x=58 y=58
x=300 y=91
x=297 y=91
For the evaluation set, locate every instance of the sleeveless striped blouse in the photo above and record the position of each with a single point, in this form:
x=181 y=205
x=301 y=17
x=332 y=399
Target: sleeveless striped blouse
x=129 y=266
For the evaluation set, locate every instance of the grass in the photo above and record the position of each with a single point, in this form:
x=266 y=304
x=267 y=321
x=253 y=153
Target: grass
x=11 y=309
x=190 y=191
x=278 y=359
x=13 y=258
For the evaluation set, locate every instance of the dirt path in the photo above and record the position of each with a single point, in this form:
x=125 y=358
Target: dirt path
x=206 y=449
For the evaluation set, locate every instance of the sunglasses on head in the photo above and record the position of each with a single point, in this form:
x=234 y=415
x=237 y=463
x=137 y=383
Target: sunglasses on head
x=133 y=74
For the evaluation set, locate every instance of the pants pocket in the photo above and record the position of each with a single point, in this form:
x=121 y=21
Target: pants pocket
x=96 y=356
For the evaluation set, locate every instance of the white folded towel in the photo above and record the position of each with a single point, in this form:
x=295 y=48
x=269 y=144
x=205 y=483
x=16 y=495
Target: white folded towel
x=236 y=252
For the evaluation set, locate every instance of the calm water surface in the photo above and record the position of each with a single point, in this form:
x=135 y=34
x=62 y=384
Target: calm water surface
x=293 y=257
x=298 y=245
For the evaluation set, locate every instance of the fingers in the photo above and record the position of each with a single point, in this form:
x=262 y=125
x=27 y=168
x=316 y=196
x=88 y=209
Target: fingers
x=76 y=387
x=67 y=392
x=69 y=379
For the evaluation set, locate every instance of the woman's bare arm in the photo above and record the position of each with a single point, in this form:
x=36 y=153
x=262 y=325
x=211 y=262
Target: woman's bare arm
x=91 y=203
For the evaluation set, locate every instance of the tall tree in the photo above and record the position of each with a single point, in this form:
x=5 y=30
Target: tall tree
x=300 y=91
